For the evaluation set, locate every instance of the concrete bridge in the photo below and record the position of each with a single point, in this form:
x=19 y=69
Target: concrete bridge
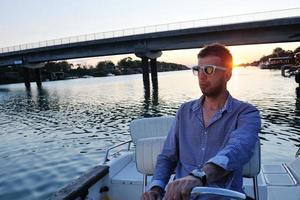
x=148 y=42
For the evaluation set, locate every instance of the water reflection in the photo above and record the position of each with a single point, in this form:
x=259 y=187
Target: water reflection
x=297 y=111
x=151 y=103
x=43 y=98
x=4 y=90
x=80 y=118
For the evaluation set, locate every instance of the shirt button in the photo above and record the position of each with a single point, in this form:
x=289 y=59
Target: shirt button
x=203 y=149
x=205 y=132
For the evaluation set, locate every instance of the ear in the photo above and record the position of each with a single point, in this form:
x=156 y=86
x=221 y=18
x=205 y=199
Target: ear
x=228 y=74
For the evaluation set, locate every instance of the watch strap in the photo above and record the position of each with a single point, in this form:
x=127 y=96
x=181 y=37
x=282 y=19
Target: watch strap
x=200 y=175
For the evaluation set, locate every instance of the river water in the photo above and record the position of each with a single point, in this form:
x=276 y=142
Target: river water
x=51 y=135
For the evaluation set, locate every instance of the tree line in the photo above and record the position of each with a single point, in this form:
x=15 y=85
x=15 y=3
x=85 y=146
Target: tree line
x=65 y=70
x=277 y=52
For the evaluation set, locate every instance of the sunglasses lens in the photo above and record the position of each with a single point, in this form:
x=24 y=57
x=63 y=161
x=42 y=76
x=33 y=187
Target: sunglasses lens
x=209 y=70
x=195 y=71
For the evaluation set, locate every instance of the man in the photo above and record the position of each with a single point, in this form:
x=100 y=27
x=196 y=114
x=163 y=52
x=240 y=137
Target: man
x=211 y=138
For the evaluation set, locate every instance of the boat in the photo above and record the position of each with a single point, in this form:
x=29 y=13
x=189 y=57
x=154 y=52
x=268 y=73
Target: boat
x=289 y=70
x=87 y=76
x=264 y=65
x=292 y=69
x=126 y=169
x=277 y=62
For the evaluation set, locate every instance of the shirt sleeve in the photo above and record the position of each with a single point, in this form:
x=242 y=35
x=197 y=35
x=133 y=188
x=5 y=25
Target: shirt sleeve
x=167 y=160
x=241 y=143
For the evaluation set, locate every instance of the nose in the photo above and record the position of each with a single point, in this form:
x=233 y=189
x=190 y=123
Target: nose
x=202 y=75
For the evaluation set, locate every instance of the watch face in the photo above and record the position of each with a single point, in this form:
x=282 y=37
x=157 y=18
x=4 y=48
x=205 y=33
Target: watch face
x=198 y=173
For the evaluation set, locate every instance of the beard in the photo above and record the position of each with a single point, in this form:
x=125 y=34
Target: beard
x=213 y=92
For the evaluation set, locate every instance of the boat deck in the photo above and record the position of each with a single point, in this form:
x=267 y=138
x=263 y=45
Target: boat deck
x=128 y=181
x=123 y=181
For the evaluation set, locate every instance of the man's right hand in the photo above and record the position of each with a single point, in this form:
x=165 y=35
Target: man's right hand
x=154 y=194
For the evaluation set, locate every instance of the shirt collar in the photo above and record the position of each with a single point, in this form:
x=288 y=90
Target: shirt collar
x=227 y=106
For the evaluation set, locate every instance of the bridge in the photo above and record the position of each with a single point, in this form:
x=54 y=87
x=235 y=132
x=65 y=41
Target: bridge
x=148 y=42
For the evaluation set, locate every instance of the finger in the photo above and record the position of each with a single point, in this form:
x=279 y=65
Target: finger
x=184 y=195
x=145 y=196
x=154 y=195
x=173 y=192
x=168 y=193
x=185 y=190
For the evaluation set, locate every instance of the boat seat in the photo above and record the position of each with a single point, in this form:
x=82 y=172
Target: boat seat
x=147 y=150
x=150 y=127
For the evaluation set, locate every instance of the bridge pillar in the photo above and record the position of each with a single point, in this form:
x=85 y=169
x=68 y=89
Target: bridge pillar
x=26 y=77
x=297 y=79
x=36 y=67
x=152 y=55
x=145 y=67
x=153 y=65
x=37 y=72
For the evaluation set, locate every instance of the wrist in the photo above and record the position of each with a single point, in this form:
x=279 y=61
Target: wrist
x=157 y=189
x=198 y=179
x=199 y=174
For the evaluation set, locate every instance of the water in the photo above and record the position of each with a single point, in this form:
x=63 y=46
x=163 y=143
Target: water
x=51 y=135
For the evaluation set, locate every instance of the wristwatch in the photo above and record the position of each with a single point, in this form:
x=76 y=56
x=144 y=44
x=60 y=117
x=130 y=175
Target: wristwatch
x=198 y=173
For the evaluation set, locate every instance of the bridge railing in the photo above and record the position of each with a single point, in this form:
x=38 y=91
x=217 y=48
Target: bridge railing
x=225 y=20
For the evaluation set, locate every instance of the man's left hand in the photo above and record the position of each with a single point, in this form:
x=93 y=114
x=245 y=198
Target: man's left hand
x=180 y=189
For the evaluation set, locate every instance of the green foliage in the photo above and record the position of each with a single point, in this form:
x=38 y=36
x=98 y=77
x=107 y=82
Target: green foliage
x=63 y=66
x=297 y=50
x=277 y=52
x=104 y=67
x=64 y=69
x=128 y=62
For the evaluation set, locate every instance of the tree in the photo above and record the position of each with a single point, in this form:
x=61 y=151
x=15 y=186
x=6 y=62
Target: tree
x=278 y=51
x=297 y=50
x=105 y=67
x=125 y=62
x=65 y=66
x=57 y=66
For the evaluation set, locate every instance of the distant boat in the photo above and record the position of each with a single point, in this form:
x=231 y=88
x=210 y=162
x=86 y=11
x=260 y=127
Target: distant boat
x=110 y=74
x=263 y=65
x=87 y=76
x=278 y=62
x=291 y=69
x=71 y=77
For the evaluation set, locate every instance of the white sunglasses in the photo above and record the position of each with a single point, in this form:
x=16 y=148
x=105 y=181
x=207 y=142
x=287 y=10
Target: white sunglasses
x=207 y=69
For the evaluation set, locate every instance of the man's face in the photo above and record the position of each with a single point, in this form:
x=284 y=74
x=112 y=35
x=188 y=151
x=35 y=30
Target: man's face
x=214 y=84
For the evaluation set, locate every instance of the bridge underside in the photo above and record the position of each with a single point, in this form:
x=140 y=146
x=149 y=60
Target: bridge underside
x=261 y=32
x=149 y=46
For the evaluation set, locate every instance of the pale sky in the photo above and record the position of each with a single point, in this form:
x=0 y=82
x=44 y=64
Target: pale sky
x=28 y=21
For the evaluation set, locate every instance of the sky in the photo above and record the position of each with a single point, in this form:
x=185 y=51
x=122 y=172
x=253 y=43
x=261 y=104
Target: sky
x=28 y=21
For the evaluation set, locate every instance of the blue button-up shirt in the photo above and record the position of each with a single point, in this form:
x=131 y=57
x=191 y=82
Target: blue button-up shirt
x=228 y=141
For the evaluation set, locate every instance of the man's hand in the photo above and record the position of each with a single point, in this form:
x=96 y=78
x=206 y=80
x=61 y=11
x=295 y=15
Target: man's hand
x=154 y=194
x=214 y=172
x=180 y=189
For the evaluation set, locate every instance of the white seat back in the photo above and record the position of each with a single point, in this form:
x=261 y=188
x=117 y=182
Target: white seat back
x=252 y=168
x=147 y=150
x=150 y=127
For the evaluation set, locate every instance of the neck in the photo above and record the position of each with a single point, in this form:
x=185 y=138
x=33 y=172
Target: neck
x=215 y=102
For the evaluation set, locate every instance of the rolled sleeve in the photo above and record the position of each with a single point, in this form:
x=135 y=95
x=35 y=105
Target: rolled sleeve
x=220 y=160
x=241 y=143
x=159 y=183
